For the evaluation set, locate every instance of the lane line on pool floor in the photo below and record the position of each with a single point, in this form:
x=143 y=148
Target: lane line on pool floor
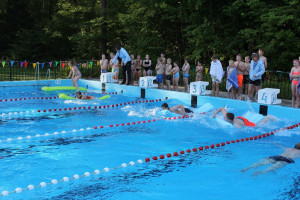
x=95 y=127
x=44 y=98
x=154 y=158
x=10 y=115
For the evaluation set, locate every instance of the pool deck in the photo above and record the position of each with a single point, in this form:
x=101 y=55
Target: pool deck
x=285 y=102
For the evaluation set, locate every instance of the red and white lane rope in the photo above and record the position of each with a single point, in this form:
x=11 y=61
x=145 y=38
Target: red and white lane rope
x=44 y=98
x=89 y=128
x=154 y=158
x=21 y=113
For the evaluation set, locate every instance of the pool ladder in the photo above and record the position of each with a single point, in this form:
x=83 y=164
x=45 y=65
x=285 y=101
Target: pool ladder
x=37 y=75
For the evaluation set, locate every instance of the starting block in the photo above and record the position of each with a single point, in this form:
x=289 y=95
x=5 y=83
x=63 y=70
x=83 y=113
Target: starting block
x=268 y=96
x=199 y=88
x=107 y=77
x=147 y=82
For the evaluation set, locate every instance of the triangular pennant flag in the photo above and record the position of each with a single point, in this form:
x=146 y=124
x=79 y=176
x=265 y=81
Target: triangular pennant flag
x=63 y=65
x=3 y=63
x=11 y=63
x=34 y=64
x=98 y=63
x=50 y=64
x=43 y=65
x=91 y=63
x=21 y=63
x=78 y=65
x=56 y=62
x=84 y=65
x=206 y=70
x=25 y=64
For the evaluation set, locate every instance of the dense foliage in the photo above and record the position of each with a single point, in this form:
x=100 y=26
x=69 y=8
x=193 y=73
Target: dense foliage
x=83 y=29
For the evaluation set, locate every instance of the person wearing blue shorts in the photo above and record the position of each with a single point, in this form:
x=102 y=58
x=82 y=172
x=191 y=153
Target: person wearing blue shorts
x=159 y=72
x=176 y=76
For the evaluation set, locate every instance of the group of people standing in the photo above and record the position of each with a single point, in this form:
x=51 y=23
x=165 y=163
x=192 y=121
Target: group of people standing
x=243 y=77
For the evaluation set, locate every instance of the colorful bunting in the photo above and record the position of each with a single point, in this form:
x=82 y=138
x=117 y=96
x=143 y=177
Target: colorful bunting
x=43 y=65
x=11 y=63
x=84 y=65
x=63 y=65
x=3 y=63
x=21 y=63
x=91 y=63
x=33 y=64
x=50 y=64
x=25 y=64
x=56 y=62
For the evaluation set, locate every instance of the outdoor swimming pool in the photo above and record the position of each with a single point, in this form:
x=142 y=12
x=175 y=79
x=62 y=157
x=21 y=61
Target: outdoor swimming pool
x=69 y=144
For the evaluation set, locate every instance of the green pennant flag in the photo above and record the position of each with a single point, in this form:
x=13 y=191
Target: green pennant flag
x=92 y=63
x=56 y=62
x=3 y=63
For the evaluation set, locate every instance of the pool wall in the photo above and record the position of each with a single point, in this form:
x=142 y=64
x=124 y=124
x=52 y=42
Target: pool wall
x=133 y=91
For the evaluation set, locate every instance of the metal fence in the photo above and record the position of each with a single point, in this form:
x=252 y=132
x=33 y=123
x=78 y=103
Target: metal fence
x=91 y=69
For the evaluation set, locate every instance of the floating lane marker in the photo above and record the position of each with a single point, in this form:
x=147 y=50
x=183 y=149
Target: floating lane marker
x=51 y=110
x=154 y=158
x=89 y=128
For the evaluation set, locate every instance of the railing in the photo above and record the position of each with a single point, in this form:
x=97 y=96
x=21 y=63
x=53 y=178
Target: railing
x=273 y=79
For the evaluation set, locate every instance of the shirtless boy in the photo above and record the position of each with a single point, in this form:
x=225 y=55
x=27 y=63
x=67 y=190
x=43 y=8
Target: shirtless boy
x=279 y=161
x=104 y=64
x=186 y=74
x=264 y=60
x=168 y=73
x=246 y=74
x=240 y=68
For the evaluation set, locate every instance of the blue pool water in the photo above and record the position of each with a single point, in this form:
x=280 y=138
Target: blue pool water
x=209 y=174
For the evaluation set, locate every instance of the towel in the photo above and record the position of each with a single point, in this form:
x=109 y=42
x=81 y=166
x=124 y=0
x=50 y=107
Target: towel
x=232 y=79
x=216 y=70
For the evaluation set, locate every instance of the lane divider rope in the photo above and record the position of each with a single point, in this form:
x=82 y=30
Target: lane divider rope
x=44 y=98
x=95 y=127
x=154 y=158
x=12 y=114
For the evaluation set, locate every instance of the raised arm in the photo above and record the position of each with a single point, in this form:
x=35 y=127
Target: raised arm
x=224 y=112
x=116 y=57
x=175 y=108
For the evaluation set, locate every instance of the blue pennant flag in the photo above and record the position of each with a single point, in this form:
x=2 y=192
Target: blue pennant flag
x=11 y=63
x=43 y=65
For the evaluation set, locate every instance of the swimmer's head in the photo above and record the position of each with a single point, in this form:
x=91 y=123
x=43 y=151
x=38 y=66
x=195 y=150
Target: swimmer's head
x=297 y=146
x=78 y=94
x=165 y=106
x=230 y=116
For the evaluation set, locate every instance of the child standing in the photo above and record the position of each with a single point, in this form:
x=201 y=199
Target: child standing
x=75 y=73
x=176 y=76
x=186 y=74
x=199 y=70
x=147 y=66
x=232 y=80
x=159 y=72
x=115 y=69
x=246 y=74
x=216 y=72
x=168 y=73
x=133 y=72
x=295 y=75
x=138 y=67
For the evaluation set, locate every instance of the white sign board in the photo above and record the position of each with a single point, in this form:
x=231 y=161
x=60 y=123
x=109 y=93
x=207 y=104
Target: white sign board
x=268 y=96
x=147 y=82
x=199 y=88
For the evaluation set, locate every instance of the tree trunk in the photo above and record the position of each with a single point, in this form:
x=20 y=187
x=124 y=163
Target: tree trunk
x=103 y=27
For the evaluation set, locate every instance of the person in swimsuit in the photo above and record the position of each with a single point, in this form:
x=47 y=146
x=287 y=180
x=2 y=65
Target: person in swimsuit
x=81 y=96
x=104 y=64
x=295 y=75
x=239 y=121
x=246 y=74
x=163 y=62
x=231 y=91
x=186 y=74
x=264 y=60
x=138 y=67
x=112 y=56
x=159 y=72
x=147 y=65
x=75 y=73
x=240 y=68
x=168 y=73
x=133 y=71
x=199 y=70
x=115 y=69
x=279 y=161
x=179 y=109
x=175 y=72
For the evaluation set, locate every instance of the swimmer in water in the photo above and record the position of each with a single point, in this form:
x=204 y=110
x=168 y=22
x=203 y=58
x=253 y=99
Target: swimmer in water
x=81 y=96
x=179 y=109
x=238 y=121
x=279 y=161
